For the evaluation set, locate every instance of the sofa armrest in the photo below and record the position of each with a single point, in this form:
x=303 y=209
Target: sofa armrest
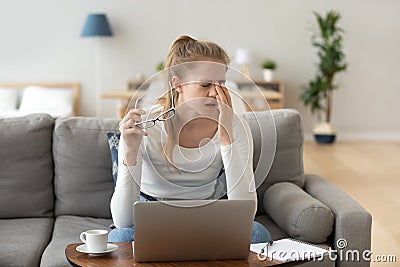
x=352 y=221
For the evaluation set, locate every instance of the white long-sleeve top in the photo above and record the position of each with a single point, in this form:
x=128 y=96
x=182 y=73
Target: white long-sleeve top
x=198 y=170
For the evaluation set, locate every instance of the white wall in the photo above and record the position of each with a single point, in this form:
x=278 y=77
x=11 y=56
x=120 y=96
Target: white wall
x=40 y=42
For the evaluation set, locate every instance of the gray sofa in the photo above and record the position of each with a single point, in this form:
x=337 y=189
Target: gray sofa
x=56 y=181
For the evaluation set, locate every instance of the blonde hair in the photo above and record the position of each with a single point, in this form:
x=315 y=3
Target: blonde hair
x=184 y=49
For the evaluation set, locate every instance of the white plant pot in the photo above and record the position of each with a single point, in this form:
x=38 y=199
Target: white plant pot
x=324 y=133
x=268 y=75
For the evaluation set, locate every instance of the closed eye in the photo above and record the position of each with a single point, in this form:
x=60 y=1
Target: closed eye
x=205 y=85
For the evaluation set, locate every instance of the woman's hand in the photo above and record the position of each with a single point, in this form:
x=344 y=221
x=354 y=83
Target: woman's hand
x=132 y=135
x=225 y=133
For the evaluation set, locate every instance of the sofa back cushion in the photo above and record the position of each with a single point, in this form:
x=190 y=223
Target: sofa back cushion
x=26 y=166
x=83 y=175
x=278 y=149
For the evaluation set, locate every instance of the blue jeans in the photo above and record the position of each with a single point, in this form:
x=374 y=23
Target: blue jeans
x=259 y=235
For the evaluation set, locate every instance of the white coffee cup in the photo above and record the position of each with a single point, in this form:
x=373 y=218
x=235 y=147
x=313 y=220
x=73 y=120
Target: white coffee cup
x=96 y=240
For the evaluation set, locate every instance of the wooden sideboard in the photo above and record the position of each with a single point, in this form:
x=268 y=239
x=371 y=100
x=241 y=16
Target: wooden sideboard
x=273 y=92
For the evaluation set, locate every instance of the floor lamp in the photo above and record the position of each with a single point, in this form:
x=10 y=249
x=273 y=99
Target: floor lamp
x=96 y=25
x=242 y=58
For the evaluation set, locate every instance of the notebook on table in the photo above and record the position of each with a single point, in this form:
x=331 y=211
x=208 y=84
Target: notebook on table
x=289 y=249
x=192 y=230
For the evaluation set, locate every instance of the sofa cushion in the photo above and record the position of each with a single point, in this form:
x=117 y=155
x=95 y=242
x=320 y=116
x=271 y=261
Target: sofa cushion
x=298 y=213
x=278 y=149
x=26 y=166
x=24 y=240
x=83 y=175
x=66 y=231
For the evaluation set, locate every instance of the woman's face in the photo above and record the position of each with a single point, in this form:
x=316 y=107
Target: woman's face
x=196 y=87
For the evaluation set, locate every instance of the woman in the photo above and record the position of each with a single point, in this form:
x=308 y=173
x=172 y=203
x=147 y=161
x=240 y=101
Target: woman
x=188 y=140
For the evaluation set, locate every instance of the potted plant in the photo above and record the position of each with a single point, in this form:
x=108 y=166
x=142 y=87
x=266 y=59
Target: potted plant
x=318 y=93
x=160 y=66
x=268 y=66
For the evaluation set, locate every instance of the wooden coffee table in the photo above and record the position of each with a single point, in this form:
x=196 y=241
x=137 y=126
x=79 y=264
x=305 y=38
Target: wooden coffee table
x=123 y=257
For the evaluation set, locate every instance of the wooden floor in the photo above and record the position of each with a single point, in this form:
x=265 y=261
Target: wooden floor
x=370 y=173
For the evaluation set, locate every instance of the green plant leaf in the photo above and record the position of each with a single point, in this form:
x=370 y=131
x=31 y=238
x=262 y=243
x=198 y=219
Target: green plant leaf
x=160 y=66
x=269 y=64
x=328 y=42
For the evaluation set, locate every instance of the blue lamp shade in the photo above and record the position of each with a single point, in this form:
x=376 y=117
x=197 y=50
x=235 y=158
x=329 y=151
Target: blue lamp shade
x=96 y=25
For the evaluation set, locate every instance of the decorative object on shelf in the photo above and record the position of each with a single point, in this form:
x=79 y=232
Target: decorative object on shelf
x=140 y=76
x=160 y=66
x=96 y=25
x=328 y=42
x=269 y=67
x=242 y=58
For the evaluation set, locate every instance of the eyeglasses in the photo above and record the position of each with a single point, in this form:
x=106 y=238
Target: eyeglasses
x=166 y=115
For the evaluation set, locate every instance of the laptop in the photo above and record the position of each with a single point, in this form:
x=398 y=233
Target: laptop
x=192 y=230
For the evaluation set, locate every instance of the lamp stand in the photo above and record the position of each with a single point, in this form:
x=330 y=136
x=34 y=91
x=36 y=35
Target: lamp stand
x=96 y=25
x=97 y=69
x=245 y=70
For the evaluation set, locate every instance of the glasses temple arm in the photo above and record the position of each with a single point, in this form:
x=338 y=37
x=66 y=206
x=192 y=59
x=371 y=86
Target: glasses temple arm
x=172 y=95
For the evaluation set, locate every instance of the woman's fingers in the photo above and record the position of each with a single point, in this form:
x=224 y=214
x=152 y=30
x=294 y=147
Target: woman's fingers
x=133 y=114
x=129 y=128
x=227 y=95
x=221 y=94
x=134 y=130
x=224 y=95
x=129 y=124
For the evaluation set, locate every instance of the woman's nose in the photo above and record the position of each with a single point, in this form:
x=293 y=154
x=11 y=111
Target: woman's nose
x=213 y=90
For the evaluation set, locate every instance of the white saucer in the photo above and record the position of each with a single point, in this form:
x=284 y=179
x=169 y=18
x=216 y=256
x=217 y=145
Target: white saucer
x=110 y=248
